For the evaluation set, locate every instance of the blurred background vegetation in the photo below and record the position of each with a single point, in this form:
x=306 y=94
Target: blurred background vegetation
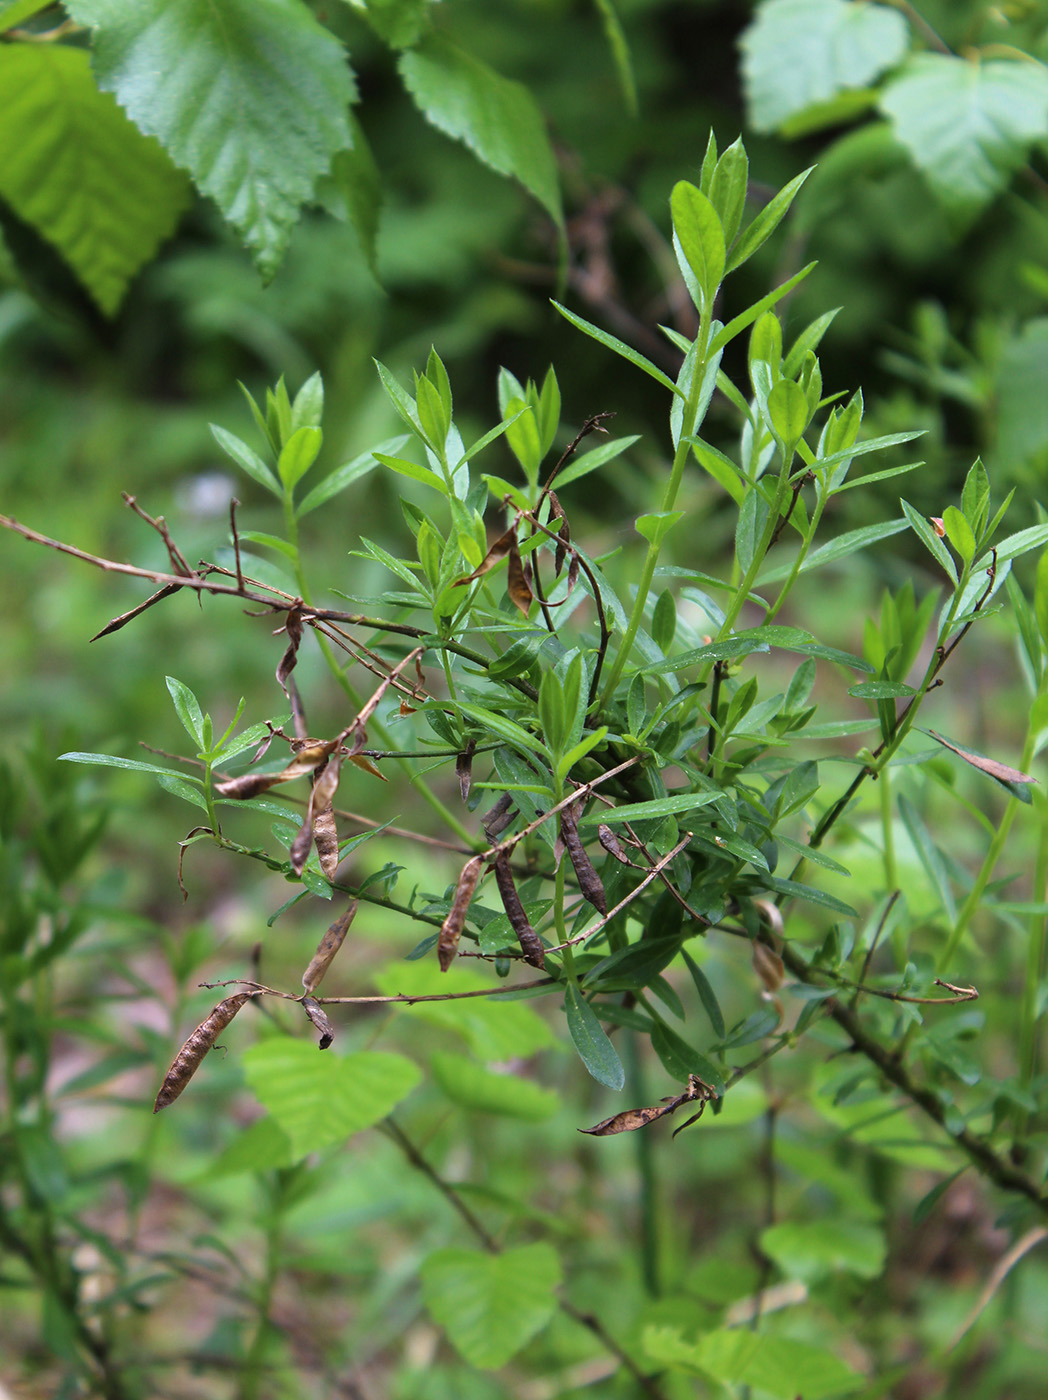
x=943 y=324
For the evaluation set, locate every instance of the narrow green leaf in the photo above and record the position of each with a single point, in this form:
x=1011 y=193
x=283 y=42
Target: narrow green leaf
x=766 y=222
x=840 y=548
x=926 y=534
x=619 y=346
x=496 y=118
x=298 y=455
x=412 y=469
x=343 y=477
x=881 y=690
x=246 y=459
x=681 y=1059
x=753 y=313
x=698 y=227
x=595 y=1049
x=79 y=172
x=188 y=710
x=233 y=110
x=620 y=53
x=491 y=1305
x=597 y=457
x=106 y=760
x=677 y=805
x=1014 y=545
x=506 y=729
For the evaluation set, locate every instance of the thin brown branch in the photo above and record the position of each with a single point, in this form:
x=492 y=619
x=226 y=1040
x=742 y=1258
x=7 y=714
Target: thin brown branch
x=652 y=874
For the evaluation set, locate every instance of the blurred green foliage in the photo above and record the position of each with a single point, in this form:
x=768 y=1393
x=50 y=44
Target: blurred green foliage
x=173 y=1254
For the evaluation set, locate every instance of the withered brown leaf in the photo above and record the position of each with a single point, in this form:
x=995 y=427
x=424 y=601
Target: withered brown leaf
x=464 y=768
x=633 y=1118
x=327 y=948
x=451 y=928
x=495 y=555
x=530 y=942
x=306 y=760
x=187 y=1061
x=1001 y=771
x=590 y=882
x=319 y=1017
x=517 y=583
x=288 y=662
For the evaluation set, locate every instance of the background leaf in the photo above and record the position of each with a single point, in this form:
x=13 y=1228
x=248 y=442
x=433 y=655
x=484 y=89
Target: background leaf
x=232 y=107
x=496 y=118
x=319 y=1099
x=968 y=126
x=491 y=1304
x=800 y=52
x=76 y=169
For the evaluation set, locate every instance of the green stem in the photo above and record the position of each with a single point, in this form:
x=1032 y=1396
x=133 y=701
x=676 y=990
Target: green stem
x=420 y=785
x=669 y=499
x=820 y=506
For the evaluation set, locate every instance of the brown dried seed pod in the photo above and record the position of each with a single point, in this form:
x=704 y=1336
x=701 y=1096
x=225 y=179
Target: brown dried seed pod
x=319 y=1017
x=327 y=948
x=590 y=882
x=187 y=1061
x=499 y=817
x=612 y=845
x=633 y=1118
x=451 y=928
x=293 y=628
x=530 y=942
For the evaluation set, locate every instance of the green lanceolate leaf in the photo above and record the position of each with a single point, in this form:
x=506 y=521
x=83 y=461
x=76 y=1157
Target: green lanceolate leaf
x=496 y=118
x=246 y=459
x=298 y=455
x=490 y=1305
x=343 y=477
x=188 y=710
x=79 y=172
x=968 y=126
x=595 y=1049
x=924 y=531
x=798 y=53
x=249 y=96
x=679 y=804
x=700 y=234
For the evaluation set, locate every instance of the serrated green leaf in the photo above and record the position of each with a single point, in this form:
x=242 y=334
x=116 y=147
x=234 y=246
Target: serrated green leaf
x=483 y=1091
x=79 y=172
x=352 y=191
x=490 y=1305
x=493 y=1028
x=779 y=1367
x=798 y=53
x=322 y=1098
x=223 y=89
x=498 y=119
x=819 y=1249
x=595 y=1049
x=967 y=125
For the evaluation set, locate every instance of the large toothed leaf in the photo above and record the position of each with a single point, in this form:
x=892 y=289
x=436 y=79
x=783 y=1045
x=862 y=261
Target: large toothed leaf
x=319 y=1099
x=495 y=117
x=490 y=1305
x=75 y=168
x=797 y=53
x=249 y=96
x=968 y=126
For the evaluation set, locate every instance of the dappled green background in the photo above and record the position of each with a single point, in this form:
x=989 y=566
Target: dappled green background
x=944 y=325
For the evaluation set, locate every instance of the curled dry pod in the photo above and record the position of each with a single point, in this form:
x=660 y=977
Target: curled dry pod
x=530 y=942
x=633 y=1118
x=327 y=948
x=464 y=768
x=187 y=1061
x=517 y=584
x=499 y=817
x=319 y=1017
x=451 y=928
x=293 y=628
x=612 y=844
x=590 y=882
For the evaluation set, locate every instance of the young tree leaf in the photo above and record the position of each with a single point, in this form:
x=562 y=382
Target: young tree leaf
x=595 y=1049
x=490 y=1305
x=797 y=53
x=79 y=172
x=968 y=126
x=486 y=1091
x=496 y=118
x=323 y=1099
x=234 y=111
